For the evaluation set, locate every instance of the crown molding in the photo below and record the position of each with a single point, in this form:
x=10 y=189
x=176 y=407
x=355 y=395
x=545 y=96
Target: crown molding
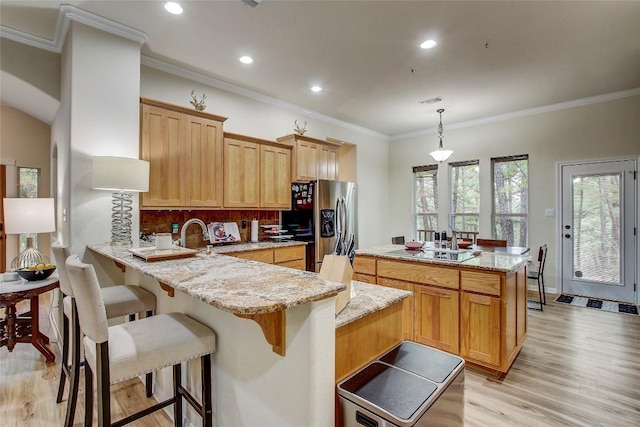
x=524 y=113
x=66 y=14
x=256 y=96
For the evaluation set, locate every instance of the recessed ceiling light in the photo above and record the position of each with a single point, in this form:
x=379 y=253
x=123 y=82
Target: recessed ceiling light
x=246 y=59
x=428 y=44
x=316 y=89
x=173 y=7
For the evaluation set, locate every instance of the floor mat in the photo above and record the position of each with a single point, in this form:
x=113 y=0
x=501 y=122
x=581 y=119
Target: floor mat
x=614 y=306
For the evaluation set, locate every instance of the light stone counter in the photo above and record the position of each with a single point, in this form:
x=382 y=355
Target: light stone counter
x=485 y=261
x=368 y=299
x=231 y=284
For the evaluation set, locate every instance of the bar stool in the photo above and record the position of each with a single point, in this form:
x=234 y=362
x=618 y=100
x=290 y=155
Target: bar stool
x=538 y=275
x=118 y=353
x=119 y=301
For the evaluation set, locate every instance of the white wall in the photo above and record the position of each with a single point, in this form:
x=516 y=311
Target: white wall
x=258 y=119
x=603 y=130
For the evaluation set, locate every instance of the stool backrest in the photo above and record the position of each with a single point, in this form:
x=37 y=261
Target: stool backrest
x=397 y=240
x=542 y=259
x=60 y=254
x=491 y=242
x=86 y=290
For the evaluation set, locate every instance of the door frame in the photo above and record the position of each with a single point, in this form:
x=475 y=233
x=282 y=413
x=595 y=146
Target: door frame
x=558 y=222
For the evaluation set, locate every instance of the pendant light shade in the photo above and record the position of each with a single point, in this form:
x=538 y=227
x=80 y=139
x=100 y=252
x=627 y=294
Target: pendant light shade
x=440 y=155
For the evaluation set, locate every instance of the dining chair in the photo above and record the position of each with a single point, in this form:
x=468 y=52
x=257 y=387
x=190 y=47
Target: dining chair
x=122 y=352
x=538 y=275
x=425 y=235
x=397 y=240
x=467 y=235
x=491 y=242
x=119 y=301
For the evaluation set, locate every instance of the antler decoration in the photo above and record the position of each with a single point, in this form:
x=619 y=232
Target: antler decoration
x=300 y=130
x=198 y=105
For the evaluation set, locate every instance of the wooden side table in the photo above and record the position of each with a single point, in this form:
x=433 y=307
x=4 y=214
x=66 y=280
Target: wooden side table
x=24 y=327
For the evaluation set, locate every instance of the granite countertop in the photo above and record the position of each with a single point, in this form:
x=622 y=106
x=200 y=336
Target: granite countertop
x=231 y=284
x=368 y=299
x=247 y=247
x=485 y=261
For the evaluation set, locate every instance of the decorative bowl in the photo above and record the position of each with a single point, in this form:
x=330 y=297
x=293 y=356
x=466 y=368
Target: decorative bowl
x=413 y=245
x=38 y=274
x=464 y=244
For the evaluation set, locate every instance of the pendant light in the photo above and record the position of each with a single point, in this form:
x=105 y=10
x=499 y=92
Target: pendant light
x=440 y=155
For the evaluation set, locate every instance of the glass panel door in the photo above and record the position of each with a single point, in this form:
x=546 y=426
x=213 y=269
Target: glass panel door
x=598 y=225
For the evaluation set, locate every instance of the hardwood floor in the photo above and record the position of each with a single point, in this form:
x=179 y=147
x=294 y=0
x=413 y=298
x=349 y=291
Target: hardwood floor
x=578 y=367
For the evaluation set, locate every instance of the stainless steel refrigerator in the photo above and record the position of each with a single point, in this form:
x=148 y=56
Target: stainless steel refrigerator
x=324 y=214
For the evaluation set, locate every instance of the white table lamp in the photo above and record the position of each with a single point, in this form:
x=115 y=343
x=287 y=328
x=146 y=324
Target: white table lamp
x=26 y=215
x=123 y=176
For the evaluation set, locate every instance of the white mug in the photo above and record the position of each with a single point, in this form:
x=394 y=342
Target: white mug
x=163 y=241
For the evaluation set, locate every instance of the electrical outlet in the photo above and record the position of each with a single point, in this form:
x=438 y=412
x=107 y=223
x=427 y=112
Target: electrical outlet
x=550 y=212
x=174 y=228
x=244 y=224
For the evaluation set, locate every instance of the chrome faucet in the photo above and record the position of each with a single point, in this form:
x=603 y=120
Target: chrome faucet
x=183 y=232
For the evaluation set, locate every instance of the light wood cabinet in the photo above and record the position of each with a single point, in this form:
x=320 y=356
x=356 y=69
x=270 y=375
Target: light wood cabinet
x=275 y=177
x=408 y=305
x=257 y=173
x=480 y=328
x=184 y=150
x=287 y=256
x=437 y=317
x=312 y=158
x=479 y=314
x=241 y=172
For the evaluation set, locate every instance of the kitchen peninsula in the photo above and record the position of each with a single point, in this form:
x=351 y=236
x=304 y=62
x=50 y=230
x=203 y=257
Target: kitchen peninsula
x=290 y=382
x=470 y=305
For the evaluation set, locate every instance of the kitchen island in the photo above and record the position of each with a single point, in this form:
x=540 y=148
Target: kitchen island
x=471 y=305
x=255 y=381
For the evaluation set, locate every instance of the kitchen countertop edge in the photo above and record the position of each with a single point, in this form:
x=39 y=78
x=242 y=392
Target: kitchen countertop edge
x=368 y=299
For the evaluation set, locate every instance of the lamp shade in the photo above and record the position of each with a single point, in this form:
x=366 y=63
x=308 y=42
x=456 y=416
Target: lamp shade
x=120 y=174
x=29 y=216
x=440 y=155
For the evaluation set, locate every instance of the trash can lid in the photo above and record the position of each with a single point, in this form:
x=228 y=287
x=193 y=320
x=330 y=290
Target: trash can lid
x=397 y=392
x=427 y=362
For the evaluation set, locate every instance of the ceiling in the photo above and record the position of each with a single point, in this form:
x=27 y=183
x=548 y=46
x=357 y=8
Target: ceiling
x=492 y=58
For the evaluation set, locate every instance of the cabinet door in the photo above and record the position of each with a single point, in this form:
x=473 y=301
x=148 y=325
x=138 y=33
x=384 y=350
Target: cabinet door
x=437 y=321
x=162 y=144
x=306 y=161
x=262 y=255
x=328 y=162
x=480 y=328
x=203 y=161
x=407 y=305
x=241 y=174
x=275 y=177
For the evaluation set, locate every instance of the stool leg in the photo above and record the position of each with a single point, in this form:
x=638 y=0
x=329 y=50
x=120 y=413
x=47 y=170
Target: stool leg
x=207 y=409
x=103 y=385
x=540 y=293
x=65 y=357
x=177 y=395
x=88 y=395
x=74 y=369
x=149 y=377
x=544 y=294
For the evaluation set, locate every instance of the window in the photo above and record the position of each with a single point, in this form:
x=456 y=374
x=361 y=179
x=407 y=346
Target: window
x=511 y=199
x=426 y=197
x=28 y=187
x=465 y=195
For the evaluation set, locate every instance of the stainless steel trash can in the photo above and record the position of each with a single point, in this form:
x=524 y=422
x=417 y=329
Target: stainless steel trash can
x=411 y=385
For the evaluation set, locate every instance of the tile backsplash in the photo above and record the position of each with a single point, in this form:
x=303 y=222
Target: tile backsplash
x=160 y=222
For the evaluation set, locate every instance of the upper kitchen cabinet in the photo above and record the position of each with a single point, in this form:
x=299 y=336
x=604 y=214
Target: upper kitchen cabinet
x=184 y=149
x=312 y=158
x=257 y=173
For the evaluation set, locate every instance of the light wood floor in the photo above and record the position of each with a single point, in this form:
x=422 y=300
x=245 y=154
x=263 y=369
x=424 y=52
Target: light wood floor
x=578 y=367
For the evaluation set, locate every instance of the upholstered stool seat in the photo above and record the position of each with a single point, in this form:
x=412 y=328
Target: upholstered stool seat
x=119 y=301
x=117 y=353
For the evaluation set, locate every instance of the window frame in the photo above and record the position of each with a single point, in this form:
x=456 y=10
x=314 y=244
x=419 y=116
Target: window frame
x=454 y=215
x=418 y=169
x=494 y=214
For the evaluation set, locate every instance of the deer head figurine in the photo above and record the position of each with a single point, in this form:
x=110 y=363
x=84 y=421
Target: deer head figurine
x=300 y=130
x=198 y=105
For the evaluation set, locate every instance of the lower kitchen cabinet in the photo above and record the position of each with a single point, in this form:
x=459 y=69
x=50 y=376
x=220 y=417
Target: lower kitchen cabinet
x=288 y=256
x=408 y=305
x=437 y=317
x=480 y=328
